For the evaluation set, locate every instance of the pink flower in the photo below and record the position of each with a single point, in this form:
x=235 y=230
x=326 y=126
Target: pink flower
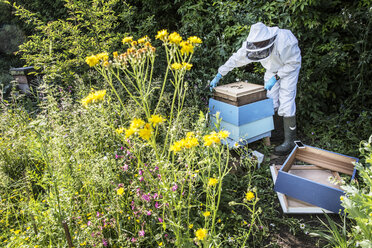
x=133 y=240
x=160 y=220
x=159 y=176
x=140 y=172
x=148 y=213
x=175 y=187
x=141 y=233
x=156 y=168
x=155 y=196
x=104 y=242
x=141 y=179
x=125 y=167
x=116 y=156
x=157 y=205
x=146 y=197
x=89 y=223
x=121 y=148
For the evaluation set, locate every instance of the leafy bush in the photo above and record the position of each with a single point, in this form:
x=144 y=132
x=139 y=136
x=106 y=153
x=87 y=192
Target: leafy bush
x=58 y=47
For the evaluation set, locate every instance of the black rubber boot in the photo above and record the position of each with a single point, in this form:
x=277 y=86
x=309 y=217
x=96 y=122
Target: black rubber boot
x=277 y=134
x=289 y=125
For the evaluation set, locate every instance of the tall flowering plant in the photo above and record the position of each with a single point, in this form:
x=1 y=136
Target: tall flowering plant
x=169 y=177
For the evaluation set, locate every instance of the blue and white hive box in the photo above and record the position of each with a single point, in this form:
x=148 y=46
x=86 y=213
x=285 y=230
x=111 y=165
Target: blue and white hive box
x=248 y=122
x=318 y=181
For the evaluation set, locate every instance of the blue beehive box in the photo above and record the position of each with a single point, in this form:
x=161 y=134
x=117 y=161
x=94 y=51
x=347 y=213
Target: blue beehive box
x=248 y=122
x=309 y=187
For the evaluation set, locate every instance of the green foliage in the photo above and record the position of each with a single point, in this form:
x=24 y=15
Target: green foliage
x=58 y=48
x=11 y=37
x=358 y=200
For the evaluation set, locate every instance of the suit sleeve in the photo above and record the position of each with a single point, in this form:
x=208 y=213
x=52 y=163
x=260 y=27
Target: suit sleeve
x=238 y=59
x=291 y=57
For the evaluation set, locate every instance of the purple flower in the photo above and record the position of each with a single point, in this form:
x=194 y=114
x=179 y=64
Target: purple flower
x=146 y=197
x=157 y=205
x=156 y=168
x=104 y=242
x=160 y=220
x=121 y=148
x=141 y=233
x=175 y=187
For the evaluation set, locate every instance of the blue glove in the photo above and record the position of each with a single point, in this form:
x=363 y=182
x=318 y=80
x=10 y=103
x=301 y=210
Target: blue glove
x=270 y=83
x=214 y=82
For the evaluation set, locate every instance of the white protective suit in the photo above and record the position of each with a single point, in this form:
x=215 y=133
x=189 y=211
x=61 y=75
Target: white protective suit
x=284 y=60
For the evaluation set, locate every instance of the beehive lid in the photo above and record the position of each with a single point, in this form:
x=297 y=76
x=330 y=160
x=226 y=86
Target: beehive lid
x=239 y=89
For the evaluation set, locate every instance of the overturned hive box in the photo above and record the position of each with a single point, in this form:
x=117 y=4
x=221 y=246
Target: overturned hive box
x=313 y=184
x=239 y=93
x=292 y=205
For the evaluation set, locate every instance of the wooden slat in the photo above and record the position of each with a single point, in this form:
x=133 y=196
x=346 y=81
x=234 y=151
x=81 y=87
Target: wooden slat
x=326 y=160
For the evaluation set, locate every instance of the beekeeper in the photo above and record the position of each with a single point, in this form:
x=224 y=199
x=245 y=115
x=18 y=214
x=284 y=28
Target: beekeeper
x=278 y=52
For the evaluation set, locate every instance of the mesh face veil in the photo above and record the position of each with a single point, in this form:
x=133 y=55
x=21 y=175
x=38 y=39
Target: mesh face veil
x=257 y=51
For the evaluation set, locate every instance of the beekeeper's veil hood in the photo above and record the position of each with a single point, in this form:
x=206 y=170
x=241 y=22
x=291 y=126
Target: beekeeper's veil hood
x=260 y=41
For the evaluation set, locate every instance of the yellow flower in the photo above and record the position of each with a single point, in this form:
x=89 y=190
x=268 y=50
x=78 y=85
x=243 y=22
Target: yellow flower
x=143 y=40
x=186 y=47
x=177 y=146
x=176 y=66
x=134 y=43
x=102 y=56
x=17 y=231
x=156 y=119
x=94 y=97
x=120 y=130
x=145 y=133
x=187 y=66
x=175 y=38
x=137 y=123
x=191 y=226
x=211 y=139
x=219 y=220
x=341 y=198
x=92 y=60
x=206 y=213
x=201 y=233
x=161 y=244
x=127 y=39
x=162 y=35
x=115 y=54
x=194 y=40
x=129 y=132
x=212 y=181
x=223 y=134
x=120 y=191
x=249 y=195
x=106 y=64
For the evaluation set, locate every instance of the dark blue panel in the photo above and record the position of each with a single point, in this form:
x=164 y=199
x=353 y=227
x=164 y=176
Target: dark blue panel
x=309 y=191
